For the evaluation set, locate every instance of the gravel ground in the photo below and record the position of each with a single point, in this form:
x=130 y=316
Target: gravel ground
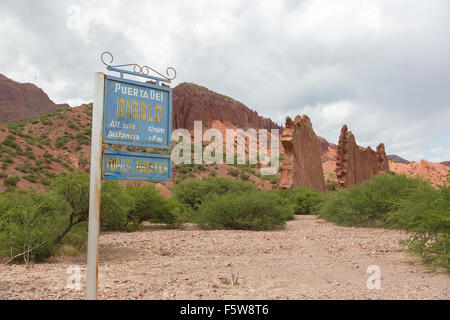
x=310 y=259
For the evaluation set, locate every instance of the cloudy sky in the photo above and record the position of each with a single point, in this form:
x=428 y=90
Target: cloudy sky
x=381 y=67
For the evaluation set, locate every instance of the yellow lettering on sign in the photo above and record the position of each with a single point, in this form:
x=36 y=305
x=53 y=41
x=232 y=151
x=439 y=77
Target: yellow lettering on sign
x=143 y=115
x=135 y=110
x=120 y=107
x=138 y=110
x=150 y=118
x=158 y=113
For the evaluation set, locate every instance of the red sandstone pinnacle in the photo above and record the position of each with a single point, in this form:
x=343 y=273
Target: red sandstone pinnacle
x=301 y=165
x=354 y=164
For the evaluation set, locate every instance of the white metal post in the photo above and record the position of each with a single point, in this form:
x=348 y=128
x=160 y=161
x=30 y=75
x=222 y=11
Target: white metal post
x=95 y=188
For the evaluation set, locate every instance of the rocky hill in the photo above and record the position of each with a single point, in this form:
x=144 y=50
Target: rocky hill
x=23 y=101
x=398 y=159
x=446 y=163
x=192 y=102
x=33 y=151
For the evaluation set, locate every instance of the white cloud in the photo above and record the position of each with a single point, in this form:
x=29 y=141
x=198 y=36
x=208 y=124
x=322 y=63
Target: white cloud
x=381 y=67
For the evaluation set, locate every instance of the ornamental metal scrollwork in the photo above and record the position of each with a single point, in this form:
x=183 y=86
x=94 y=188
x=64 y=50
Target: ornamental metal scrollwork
x=142 y=70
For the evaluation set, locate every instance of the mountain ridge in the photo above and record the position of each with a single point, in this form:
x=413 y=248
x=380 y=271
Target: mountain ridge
x=23 y=101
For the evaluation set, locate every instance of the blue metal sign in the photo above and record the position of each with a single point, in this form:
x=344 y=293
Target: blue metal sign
x=137 y=113
x=121 y=165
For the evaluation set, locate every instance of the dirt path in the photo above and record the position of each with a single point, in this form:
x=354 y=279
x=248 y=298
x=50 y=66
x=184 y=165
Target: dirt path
x=310 y=259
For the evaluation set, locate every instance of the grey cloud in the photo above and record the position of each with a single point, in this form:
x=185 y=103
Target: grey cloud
x=387 y=64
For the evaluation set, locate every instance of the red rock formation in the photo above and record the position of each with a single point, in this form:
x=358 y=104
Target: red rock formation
x=383 y=162
x=396 y=158
x=301 y=165
x=192 y=102
x=23 y=101
x=446 y=163
x=355 y=164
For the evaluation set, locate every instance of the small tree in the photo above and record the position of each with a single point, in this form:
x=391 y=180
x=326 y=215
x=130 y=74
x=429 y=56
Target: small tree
x=147 y=204
x=29 y=223
x=114 y=206
x=74 y=188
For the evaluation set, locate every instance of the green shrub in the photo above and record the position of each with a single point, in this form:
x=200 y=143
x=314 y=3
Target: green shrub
x=10 y=141
x=60 y=141
x=185 y=168
x=274 y=179
x=29 y=223
x=303 y=200
x=31 y=177
x=246 y=211
x=114 y=207
x=368 y=204
x=46 y=120
x=426 y=213
x=213 y=173
x=147 y=204
x=74 y=188
x=82 y=139
x=233 y=172
x=333 y=186
x=193 y=192
x=72 y=125
x=8 y=159
x=11 y=181
x=396 y=201
x=30 y=156
x=47 y=155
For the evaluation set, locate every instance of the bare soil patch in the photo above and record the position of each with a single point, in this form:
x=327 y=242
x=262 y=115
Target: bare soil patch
x=310 y=259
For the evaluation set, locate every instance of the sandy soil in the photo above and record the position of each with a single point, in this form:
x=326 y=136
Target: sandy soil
x=310 y=259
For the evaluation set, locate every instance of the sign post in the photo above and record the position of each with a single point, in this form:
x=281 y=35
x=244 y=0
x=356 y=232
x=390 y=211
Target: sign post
x=95 y=187
x=128 y=113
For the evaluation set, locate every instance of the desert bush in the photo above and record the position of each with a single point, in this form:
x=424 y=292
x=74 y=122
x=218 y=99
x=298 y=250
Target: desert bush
x=274 y=179
x=333 y=186
x=29 y=223
x=82 y=139
x=74 y=188
x=303 y=200
x=245 y=176
x=426 y=213
x=45 y=119
x=48 y=155
x=193 y=192
x=10 y=141
x=114 y=207
x=233 y=172
x=11 y=181
x=31 y=177
x=247 y=211
x=369 y=203
x=147 y=204
x=60 y=141
x=397 y=201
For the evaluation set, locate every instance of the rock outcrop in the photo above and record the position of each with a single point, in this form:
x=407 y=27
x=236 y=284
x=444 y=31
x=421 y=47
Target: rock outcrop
x=301 y=165
x=23 y=101
x=355 y=164
x=192 y=102
x=398 y=159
